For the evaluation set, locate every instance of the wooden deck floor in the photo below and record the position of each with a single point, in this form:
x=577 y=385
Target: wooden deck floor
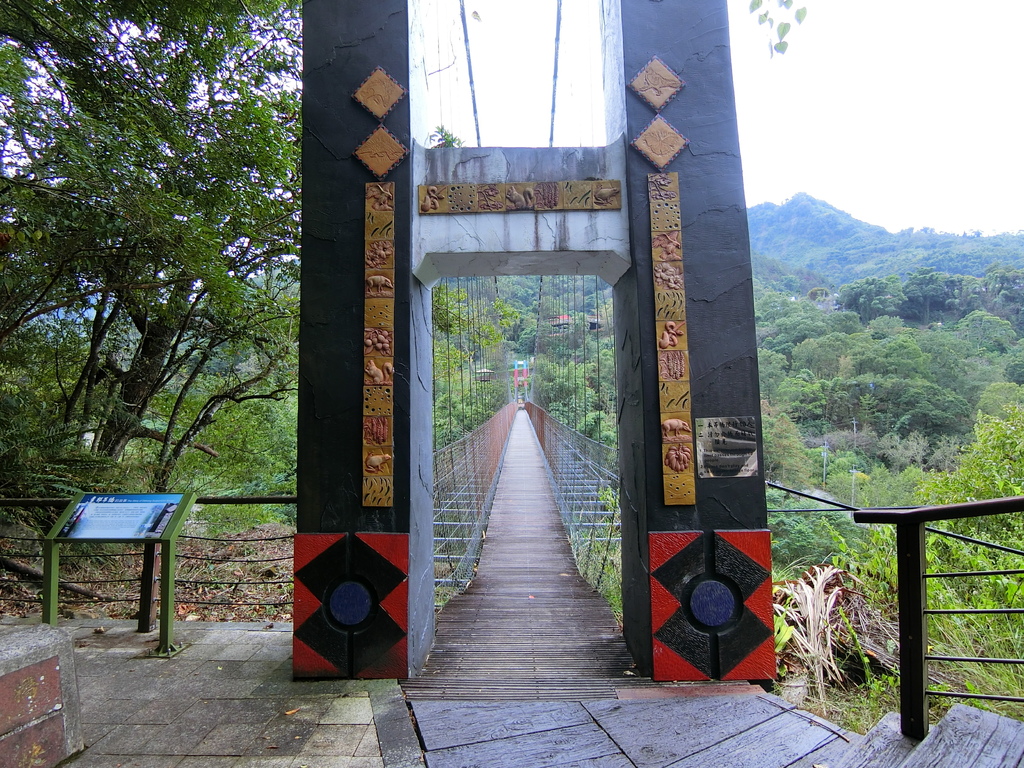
x=528 y=626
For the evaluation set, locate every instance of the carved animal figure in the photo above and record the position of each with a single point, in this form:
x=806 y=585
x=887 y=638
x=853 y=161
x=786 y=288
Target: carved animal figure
x=375 y=462
x=383 y=198
x=517 y=200
x=378 y=285
x=674 y=428
x=605 y=196
x=375 y=375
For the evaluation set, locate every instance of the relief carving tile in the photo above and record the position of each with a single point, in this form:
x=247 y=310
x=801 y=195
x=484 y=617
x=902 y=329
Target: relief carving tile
x=379 y=371
x=520 y=197
x=379 y=254
x=676 y=427
x=380 y=196
x=378 y=341
x=680 y=488
x=673 y=365
x=379 y=313
x=377 y=430
x=668 y=275
x=663 y=186
x=660 y=143
x=547 y=196
x=490 y=197
x=677 y=458
x=377 y=460
x=674 y=396
x=378 y=492
x=667 y=246
x=381 y=151
x=379 y=93
x=379 y=225
x=462 y=198
x=378 y=401
x=433 y=199
x=577 y=195
x=656 y=83
x=665 y=216
x=672 y=334
x=608 y=195
x=379 y=283
x=669 y=305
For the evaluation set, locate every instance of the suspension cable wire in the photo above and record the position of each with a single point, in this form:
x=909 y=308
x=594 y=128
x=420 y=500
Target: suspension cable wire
x=469 y=68
x=554 y=78
x=600 y=381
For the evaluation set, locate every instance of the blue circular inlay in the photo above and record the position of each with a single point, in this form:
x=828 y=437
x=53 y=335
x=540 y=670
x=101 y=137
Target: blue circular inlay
x=712 y=603
x=350 y=603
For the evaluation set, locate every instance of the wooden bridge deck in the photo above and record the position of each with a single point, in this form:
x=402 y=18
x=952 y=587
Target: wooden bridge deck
x=528 y=626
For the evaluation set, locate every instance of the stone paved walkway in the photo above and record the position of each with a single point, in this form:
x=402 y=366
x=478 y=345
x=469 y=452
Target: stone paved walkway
x=228 y=701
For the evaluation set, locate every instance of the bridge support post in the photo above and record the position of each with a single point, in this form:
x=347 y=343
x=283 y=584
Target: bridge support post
x=696 y=555
x=363 y=585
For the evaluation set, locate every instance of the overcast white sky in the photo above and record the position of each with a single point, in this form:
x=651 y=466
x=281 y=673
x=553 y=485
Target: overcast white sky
x=903 y=113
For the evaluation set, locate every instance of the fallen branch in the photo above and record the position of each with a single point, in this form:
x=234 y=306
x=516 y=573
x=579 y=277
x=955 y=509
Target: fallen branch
x=35 y=573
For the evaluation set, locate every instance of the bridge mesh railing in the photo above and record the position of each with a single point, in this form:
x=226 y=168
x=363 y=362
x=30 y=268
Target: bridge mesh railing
x=464 y=480
x=586 y=479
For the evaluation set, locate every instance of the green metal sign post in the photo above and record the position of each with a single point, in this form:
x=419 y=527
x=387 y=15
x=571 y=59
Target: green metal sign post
x=121 y=518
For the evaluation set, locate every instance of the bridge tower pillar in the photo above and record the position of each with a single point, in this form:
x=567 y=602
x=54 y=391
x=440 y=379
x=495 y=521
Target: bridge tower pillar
x=696 y=555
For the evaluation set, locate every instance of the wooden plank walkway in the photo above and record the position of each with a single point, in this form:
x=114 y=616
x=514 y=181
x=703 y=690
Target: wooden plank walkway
x=528 y=626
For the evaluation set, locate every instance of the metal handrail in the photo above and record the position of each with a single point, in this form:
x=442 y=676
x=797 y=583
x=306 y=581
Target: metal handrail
x=912 y=580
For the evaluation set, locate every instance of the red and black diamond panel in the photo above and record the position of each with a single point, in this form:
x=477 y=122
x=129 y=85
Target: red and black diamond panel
x=711 y=605
x=351 y=605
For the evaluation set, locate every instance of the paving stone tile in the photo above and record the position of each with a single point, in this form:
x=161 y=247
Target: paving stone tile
x=161 y=711
x=349 y=710
x=126 y=739
x=369 y=746
x=229 y=739
x=284 y=735
x=336 y=761
x=236 y=652
x=95 y=760
x=334 y=740
x=210 y=761
x=102 y=710
x=265 y=762
x=176 y=739
x=272 y=652
x=93 y=732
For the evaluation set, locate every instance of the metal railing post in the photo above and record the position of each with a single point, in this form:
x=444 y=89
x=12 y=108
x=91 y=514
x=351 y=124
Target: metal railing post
x=913 y=629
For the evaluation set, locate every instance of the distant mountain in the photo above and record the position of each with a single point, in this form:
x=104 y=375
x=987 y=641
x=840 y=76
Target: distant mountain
x=811 y=234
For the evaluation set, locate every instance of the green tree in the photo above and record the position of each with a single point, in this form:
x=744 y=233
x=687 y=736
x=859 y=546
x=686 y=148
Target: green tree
x=149 y=196
x=873 y=297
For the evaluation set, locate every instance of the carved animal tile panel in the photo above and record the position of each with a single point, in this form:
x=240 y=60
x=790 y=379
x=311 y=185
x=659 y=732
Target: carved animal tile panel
x=378 y=346
x=600 y=195
x=381 y=151
x=672 y=341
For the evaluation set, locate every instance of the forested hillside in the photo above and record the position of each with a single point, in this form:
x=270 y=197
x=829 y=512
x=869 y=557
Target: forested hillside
x=811 y=234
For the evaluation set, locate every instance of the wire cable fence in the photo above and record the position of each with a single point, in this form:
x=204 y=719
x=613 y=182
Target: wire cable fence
x=586 y=480
x=465 y=475
x=243 y=576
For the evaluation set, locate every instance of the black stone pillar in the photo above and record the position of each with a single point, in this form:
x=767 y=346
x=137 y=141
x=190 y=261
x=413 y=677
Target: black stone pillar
x=353 y=568
x=696 y=583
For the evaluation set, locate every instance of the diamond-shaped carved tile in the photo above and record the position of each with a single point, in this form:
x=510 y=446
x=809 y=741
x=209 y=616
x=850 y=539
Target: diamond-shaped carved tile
x=381 y=152
x=656 y=83
x=379 y=93
x=660 y=143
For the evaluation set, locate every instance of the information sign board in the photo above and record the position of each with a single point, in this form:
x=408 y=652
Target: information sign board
x=119 y=516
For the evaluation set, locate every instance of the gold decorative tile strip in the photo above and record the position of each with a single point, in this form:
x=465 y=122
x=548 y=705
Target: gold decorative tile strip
x=379 y=93
x=378 y=346
x=381 y=151
x=656 y=83
x=659 y=142
x=671 y=340
x=600 y=195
